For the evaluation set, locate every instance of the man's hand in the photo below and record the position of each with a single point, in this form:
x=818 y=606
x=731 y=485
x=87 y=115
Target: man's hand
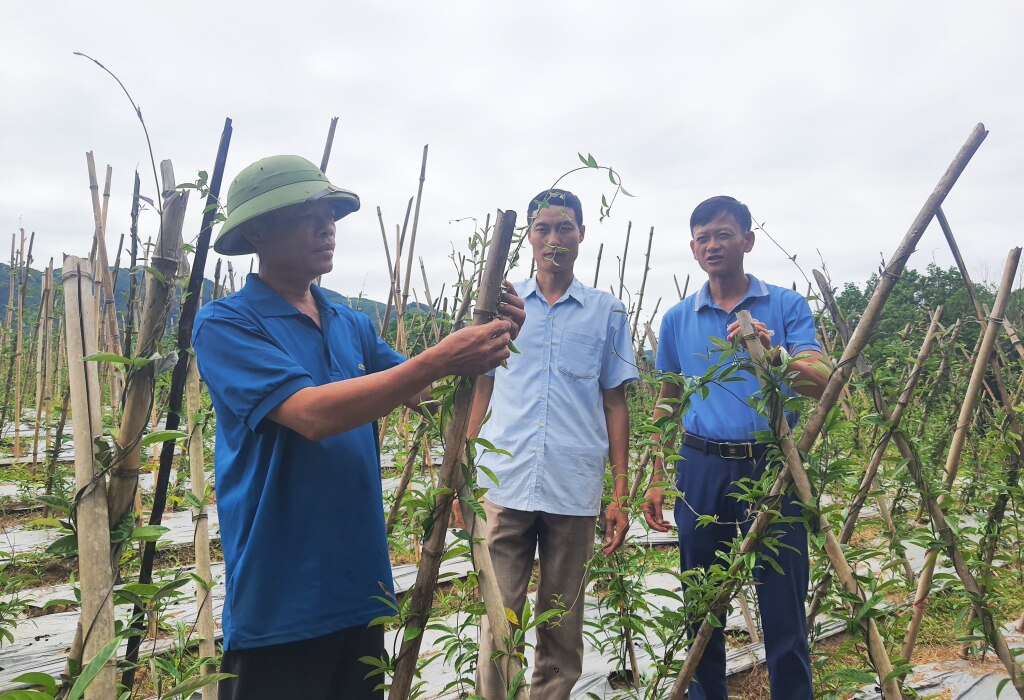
x=764 y=334
x=511 y=308
x=655 y=499
x=474 y=350
x=616 y=524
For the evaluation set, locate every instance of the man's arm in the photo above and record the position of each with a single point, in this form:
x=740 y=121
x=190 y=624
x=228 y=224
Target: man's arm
x=656 y=494
x=321 y=411
x=616 y=415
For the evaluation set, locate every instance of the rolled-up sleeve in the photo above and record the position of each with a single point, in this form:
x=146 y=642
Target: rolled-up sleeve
x=800 y=332
x=668 y=356
x=379 y=354
x=245 y=369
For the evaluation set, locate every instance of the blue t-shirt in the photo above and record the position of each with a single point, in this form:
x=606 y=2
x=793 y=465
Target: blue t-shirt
x=301 y=522
x=684 y=347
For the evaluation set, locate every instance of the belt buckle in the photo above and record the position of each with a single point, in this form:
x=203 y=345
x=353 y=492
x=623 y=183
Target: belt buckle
x=743 y=450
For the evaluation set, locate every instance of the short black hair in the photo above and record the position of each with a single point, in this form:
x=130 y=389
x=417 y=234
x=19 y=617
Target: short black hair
x=555 y=198
x=710 y=209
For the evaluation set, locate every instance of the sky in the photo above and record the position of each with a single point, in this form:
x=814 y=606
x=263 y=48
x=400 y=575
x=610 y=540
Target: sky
x=833 y=122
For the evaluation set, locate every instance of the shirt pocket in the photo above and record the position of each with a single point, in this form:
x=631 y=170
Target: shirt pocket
x=579 y=355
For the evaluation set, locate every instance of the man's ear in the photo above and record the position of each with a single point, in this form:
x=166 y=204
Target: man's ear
x=583 y=232
x=693 y=248
x=749 y=236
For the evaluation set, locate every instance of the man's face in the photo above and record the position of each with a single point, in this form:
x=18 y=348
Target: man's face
x=555 y=237
x=298 y=239
x=719 y=246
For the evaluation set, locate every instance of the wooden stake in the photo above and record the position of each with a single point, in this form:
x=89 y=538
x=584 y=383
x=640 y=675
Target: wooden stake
x=643 y=284
x=455 y=442
x=197 y=478
x=622 y=263
x=95 y=577
x=924 y=581
x=597 y=269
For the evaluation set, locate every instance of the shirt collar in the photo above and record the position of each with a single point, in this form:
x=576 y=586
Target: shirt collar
x=702 y=298
x=575 y=290
x=268 y=302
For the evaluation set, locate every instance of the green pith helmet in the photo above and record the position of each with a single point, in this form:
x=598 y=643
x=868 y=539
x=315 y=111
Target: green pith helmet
x=273 y=183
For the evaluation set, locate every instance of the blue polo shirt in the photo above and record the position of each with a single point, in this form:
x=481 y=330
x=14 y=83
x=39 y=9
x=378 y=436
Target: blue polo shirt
x=301 y=522
x=684 y=347
x=547 y=408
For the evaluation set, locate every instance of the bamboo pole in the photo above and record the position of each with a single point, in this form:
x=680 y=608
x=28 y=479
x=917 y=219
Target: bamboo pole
x=140 y=400
x=42 y=356
x=132 y=277
x=597 y=268
x=403 y=483
x=415 y=227
x=869 y=481
x=924 y=582
x=19 y=352
x=95 y=575
x=622 y=263
x=643 y=284
x=192 y=298
x=327 y=154
x=108 y=315
x=197 y=478
x=421 y=595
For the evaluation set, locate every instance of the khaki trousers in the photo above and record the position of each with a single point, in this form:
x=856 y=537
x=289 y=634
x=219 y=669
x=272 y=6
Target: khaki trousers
x=566 y=544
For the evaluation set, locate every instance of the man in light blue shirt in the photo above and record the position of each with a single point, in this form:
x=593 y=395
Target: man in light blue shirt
x=559 y=409
x=718 y=448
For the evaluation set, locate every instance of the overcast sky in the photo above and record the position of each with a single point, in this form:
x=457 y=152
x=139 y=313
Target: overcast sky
x=832 y=122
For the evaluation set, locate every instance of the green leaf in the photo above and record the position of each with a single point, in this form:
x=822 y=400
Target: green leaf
x=42 y=679
x=92 y=670
x=107 y=357
x=162 y=436
x=65 y=546
x=411 y=633
x=26 y=695
x=194 y=684
x=149 y=533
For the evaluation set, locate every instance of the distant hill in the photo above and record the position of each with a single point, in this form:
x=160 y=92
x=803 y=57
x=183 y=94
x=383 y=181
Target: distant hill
x=374 y=309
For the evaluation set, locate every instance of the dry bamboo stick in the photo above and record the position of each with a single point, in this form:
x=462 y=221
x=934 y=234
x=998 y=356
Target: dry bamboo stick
x=140 y=401
x=597 y=268
x=42 y=355
x=197 y=478
x=643 y=284
x=924 y=582
x=132 y=277
x=403 y=483
x=20 y=335
x=326 y=157
x=869 y=481
x=622 y=263
x=95 y=576
x=108 y=315
x=415 y=226
x=455 y=442
x=192 y=298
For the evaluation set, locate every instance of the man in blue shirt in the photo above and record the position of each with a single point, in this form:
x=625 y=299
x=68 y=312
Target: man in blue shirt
x=297 y=384
x=559 y=408
x=718 y=447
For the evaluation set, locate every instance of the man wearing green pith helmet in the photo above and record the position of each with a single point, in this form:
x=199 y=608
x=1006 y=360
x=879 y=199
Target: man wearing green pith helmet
x=297 y=384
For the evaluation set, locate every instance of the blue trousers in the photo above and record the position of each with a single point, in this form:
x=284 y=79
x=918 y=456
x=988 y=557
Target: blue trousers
x=707 y=482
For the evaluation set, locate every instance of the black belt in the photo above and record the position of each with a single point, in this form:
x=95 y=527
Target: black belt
x=725 y=450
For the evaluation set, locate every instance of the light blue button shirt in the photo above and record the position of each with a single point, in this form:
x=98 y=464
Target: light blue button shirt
x=685 y=347
x=547 y=408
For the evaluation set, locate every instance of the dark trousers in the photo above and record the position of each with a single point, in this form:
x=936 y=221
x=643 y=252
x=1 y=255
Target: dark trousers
x=323 y=668
x=706 y=482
